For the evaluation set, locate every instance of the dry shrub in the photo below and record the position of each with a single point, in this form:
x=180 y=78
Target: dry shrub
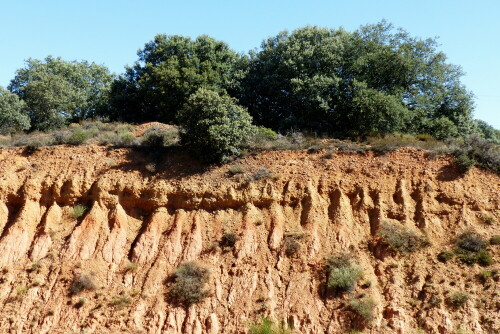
x=401 y=238
x=190 y=280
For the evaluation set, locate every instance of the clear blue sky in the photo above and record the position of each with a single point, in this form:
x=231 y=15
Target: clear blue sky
x=110 y=32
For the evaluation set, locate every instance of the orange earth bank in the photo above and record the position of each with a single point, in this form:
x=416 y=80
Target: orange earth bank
x=149 y=212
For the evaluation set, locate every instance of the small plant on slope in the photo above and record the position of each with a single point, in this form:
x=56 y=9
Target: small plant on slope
x=267 y=326
x=401 y=238
x=190 y=280
x=343 y=273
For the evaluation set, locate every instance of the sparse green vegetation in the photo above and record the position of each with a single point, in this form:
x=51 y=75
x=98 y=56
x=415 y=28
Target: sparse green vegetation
x=445 y=256
x=21 y=290
x=458 y=298
x=120 y=301
x=495 y=240
x=487 y=219
x=472 y=249
x=78 y=210
x=189 y=286
x=267 y=326
x=235 y=169
x=156 y=137
x=485 y=275
x=343 y=273
x=131 y=267
x=401 y=238
x=363 y=307
x=262 y=173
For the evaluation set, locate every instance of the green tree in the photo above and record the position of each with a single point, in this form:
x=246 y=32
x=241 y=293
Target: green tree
x=58 y=91
x=374 y=80
x=12 y=118
x=213 y=125
x=169 y=70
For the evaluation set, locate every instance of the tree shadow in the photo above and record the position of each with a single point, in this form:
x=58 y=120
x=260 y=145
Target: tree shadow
x=449 y=173
x=172 y=162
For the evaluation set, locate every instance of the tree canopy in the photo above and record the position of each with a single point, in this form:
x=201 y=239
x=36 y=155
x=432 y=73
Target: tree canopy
x=11 y=117
x=374 y=80
x=57 y=91
x=169 y=70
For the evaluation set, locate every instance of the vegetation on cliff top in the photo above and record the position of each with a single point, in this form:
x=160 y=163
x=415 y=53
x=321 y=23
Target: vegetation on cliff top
x=374 y=81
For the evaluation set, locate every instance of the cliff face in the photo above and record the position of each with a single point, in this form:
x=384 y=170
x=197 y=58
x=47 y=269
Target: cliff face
x=147 y=213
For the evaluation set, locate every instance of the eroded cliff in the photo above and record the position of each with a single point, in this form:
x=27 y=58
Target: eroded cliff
x=147 y=213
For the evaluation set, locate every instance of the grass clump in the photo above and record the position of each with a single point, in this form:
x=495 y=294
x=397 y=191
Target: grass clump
x=78 y=210
x=487 y=219
x=235 y=169
x=343 y=273
x=458 y=298
x=120 y=301
x=445 y=256
x=262 y=173
x=401 y=238
x=267 y=326
x=363 y=307
x=79 y=137
x=190 y=280
x=131 y=267
x=485 y=275
x=82 y=282
x=21 y=290
x=495 y=240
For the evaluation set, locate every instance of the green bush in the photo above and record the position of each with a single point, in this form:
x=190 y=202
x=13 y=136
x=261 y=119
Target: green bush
x=363 y=307
x=267 y=326
x=78 y=137
x=12 y=118
x=473 y=149
x=190 y=280
x=343 y=273
x=155 y=137
x=214 y=126
x=458 y=298
x=401 y=238
x=482 y=257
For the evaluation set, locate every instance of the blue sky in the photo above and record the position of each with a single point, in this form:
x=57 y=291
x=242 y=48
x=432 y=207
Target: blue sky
x=110 y=32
